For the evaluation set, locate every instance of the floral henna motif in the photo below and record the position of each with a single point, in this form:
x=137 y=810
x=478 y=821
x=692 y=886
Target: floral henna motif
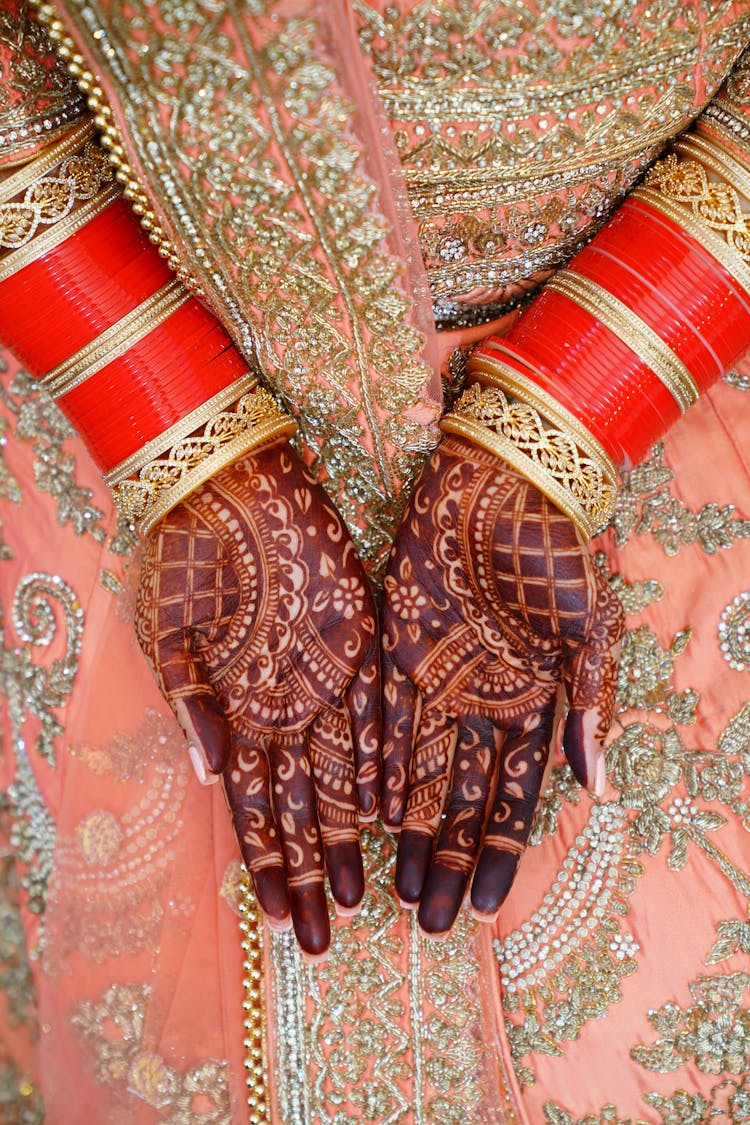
x=256 y=617
x=493 y=605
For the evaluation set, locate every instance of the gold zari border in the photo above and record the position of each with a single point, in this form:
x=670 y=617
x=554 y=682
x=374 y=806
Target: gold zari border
x=623 y=323
x=584 y=488
x=166 y=479
x=116 y=340
x=49 y=239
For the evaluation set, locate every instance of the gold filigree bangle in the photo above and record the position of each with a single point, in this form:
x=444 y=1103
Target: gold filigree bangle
x=582 y=486
x=47 y=159
x=145 y=490
x=42 y=243
x=622 y=322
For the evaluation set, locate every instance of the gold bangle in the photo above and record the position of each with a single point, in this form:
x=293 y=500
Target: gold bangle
x=583 y=487
x=634 y=333
x=42 y=243
x=148 y=493
x=116 y=340
x=711 y=151
x=493 y=371
x=714 y=245
x=47 y=159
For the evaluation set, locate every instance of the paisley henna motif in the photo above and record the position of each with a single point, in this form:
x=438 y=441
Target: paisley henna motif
x=255 y=614
x=493 y=606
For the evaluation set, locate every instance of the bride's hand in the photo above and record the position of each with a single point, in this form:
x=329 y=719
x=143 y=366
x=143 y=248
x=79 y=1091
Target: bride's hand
x=256 y=616
x=493 y=610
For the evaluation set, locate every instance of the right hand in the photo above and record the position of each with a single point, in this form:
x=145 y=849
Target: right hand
x=255 y=614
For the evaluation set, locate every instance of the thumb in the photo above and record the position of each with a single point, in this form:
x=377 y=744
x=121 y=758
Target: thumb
x=185 y=684
x=590 y=676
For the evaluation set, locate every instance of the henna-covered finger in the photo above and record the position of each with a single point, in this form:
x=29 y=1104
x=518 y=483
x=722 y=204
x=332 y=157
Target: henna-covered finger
x=472 y=787
x=363 y=699
x=247 y=788
x=401 y=714
x=522 y=764
x=332 y=758
x=294 y=803
x=428 y=787
x=590 y=677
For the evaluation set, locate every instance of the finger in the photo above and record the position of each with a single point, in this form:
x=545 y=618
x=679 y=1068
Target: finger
x=332 y=758
x=363 y=699
x=401 y=708
x=590 y=676
x=247 y=789
x=186 y=686
x=428 y=786
x=293 y=794
x=523 y=760
x=474 y=772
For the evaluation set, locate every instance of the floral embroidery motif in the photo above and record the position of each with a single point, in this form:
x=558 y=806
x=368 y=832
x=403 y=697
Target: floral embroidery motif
x=124 y=1058
x=20 y=1101
x=645 y=505
x=37 y=693
x=734 y=632
x=16 y=982
x=36 y=419
x=714 y=1034
x=114 y=868
x=515 y=147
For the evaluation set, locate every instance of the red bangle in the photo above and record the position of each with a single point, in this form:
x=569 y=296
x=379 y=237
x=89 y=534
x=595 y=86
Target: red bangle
x=58 y=303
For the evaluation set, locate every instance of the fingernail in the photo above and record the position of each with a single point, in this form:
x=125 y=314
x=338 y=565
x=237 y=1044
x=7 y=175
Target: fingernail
x=600 y=780
x=314 y=958
x=200 y=766
x=485 y=917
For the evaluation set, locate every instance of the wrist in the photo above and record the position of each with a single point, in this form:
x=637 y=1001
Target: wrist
x=141 y=368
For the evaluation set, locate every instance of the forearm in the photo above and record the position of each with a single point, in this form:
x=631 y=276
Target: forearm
x=624 y=340
x=142 y=369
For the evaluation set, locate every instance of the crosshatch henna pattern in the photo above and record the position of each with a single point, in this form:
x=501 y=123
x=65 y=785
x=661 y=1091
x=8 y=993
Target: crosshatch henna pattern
x=256 y=616
x=493 y=607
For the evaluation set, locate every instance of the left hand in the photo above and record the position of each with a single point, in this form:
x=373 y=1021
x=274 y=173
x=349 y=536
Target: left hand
x=493 y=611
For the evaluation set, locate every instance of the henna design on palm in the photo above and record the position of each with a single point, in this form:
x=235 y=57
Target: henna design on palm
x=255 y=614
x=492 y=607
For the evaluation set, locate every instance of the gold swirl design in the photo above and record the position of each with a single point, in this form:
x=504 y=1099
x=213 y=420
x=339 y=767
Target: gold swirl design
x=581 y=485
x=153 y=488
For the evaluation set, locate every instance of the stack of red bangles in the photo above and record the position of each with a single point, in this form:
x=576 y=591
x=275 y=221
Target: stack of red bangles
x=142 y=369
x=652 y=313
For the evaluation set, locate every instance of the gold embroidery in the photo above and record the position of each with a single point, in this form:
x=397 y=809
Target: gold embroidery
x=714 y=1034
x=344 y=1024
x=646 y=506
x=112 y=869
x=122 y=1059
x=277 y=224
x=734 y=633
x=39 y=100
x=515 y=146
